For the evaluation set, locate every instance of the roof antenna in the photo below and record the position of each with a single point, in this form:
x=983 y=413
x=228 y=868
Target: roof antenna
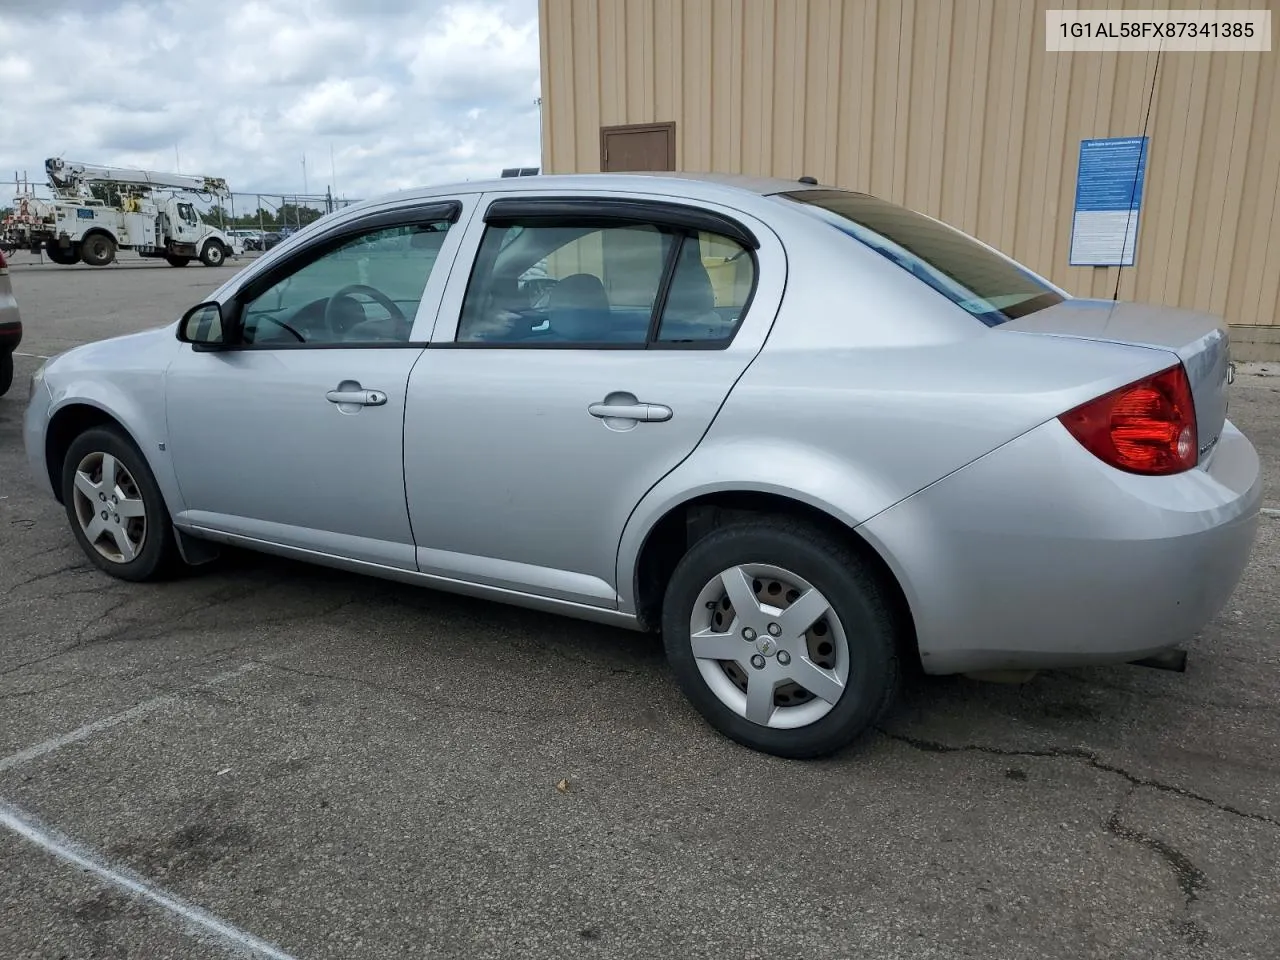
x=809 y=180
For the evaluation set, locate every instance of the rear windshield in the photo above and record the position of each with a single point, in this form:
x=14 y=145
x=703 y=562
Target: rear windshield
x=964 y=271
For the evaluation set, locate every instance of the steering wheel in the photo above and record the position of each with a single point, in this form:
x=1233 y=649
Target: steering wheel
x=330 y=314
x=280 y=323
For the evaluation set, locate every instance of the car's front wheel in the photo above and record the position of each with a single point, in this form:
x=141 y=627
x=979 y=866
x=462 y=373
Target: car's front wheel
x=781 y=637
x=117 y=512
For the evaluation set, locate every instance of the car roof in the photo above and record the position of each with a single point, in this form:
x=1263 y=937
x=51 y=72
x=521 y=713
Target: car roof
x=692 y=185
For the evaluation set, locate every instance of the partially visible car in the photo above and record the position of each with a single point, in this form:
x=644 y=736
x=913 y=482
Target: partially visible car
x=807 y=434
x=10 y=327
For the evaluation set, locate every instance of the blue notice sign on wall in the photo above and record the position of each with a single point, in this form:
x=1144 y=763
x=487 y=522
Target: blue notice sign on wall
x=1104 y=230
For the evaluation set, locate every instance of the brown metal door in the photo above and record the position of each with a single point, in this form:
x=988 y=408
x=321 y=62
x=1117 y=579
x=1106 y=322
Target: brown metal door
x=639 y=146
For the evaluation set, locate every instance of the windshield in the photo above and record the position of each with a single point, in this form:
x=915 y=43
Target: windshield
x=978 y=280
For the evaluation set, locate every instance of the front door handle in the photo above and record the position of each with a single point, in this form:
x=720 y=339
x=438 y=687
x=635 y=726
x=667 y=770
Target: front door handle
x=365 y=398
x=650 y=412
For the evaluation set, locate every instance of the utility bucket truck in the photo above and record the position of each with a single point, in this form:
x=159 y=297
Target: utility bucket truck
x=150 y=213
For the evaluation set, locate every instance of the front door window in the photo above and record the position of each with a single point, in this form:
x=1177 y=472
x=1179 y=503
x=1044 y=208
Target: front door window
x=365 y=291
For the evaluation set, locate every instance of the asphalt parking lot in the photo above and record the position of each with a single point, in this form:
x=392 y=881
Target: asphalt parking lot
x=345 y=768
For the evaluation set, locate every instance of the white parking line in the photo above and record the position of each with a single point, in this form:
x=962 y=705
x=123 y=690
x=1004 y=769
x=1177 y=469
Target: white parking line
x=199 y=922
x=34 y=356
x=89 y=729
x=1271 y=511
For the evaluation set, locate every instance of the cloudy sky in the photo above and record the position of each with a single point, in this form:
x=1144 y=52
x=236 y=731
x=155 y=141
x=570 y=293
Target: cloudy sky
x=404 y=91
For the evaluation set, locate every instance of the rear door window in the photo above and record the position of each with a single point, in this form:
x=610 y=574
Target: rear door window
x=980 y=281
x=580 y=284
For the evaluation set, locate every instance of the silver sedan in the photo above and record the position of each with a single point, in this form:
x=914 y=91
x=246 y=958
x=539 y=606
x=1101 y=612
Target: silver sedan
x=810 y=436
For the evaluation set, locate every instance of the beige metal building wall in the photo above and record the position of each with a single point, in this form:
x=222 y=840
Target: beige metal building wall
x=954 y=108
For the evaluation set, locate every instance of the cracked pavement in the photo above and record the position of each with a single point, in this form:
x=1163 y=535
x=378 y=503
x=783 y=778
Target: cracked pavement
x=352 y=768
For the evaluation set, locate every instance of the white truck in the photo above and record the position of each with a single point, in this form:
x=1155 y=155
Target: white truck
x=155 y=216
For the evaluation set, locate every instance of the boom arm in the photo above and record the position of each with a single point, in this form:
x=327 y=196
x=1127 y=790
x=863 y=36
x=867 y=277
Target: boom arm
x=68 y=176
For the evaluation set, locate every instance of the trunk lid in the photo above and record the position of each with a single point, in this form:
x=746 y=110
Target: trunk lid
x=1200 y=340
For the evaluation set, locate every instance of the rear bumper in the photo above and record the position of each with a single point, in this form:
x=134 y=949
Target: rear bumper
x=1039 y=555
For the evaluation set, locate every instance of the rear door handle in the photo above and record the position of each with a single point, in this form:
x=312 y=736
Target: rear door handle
x=365 y=398
x=652 y=412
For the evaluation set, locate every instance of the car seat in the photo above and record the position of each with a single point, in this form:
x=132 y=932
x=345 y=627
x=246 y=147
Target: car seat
x=690 y=313
x=578 y=309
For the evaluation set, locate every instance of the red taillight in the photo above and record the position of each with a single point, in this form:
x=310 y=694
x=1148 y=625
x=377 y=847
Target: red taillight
x=1144 y=427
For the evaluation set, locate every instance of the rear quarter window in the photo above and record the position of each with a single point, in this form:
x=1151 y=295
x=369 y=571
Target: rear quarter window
x=981 y=282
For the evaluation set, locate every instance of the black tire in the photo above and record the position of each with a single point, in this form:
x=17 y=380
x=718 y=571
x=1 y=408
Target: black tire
x=6 y=371
x=97 y=249
x=159 y=557
x=65 y=256
x=176 y=261
x=214 y=254
x=857 y=597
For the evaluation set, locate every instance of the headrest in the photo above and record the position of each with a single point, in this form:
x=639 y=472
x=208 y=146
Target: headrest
x=691 y=293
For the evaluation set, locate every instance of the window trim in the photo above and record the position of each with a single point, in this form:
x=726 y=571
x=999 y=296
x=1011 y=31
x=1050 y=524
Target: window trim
x=583 y=211
x=613 y=209
x=315 y=248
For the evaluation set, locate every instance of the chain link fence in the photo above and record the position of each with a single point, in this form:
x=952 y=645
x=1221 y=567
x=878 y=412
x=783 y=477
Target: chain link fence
x=261 y=220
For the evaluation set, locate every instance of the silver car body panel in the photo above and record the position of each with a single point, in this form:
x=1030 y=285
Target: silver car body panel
x=35 y=422
x=896 y=361
x=470 y=442
x=1200 y=340
x=519 y=598
x=851 y=387
x=124 y=377
x=847 y=456
x=320 y=477
x=324 y=477
x=1080 y=564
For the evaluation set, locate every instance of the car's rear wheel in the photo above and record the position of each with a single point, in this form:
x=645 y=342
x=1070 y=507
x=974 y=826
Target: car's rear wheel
x=115 y=507
x=781 y=637
x=6 y=371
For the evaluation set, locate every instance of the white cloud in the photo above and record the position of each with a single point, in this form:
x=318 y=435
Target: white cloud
x=404 y=92
x=337 y=107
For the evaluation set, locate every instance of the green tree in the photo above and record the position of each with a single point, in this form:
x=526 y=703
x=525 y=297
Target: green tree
x=293 y=215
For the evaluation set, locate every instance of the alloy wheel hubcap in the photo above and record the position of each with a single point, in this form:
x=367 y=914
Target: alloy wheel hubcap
x=109 y=507
x=769 y=646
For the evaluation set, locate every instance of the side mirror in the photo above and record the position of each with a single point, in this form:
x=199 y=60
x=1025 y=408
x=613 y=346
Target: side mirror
x=203 y=326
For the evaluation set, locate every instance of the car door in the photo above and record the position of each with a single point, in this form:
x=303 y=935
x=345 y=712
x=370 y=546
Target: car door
x=580 y=355
x=294 y=435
